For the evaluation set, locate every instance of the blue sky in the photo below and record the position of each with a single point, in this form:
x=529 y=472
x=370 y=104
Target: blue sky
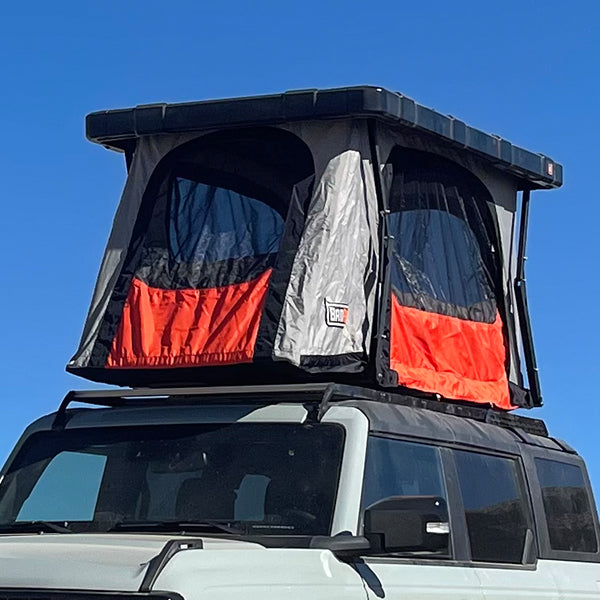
x=525 y=70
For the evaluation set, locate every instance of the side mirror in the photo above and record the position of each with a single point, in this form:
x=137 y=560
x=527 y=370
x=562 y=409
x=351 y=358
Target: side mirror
x=407 y=524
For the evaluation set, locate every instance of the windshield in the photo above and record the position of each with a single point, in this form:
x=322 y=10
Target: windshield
x=248 y=478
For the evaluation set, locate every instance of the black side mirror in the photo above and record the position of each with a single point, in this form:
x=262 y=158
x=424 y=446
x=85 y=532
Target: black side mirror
x=407 y=524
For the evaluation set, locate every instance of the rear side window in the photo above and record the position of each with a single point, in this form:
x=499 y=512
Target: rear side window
x=567 y=506
x=495 y=507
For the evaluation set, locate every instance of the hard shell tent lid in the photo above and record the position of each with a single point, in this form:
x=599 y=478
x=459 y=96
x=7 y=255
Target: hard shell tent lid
x=346 y=234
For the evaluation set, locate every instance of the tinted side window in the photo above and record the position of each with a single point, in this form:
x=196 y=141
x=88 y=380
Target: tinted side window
x=567 y=506
x=495 y=507
x=397 y=468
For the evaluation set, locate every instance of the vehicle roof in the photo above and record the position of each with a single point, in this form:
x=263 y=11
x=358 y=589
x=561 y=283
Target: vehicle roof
x=119 y=129
x=406 y=421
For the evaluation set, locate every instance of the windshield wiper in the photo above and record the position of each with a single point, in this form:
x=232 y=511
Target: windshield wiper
x=34 y=526
x=207 y=526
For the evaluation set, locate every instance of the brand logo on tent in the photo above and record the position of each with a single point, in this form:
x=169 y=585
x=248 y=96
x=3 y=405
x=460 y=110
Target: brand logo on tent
x=336 y=313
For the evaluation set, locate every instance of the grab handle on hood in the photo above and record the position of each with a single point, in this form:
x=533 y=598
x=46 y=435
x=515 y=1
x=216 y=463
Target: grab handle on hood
x=158 y=563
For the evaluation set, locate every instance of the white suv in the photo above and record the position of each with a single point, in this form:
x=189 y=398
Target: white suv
x=303 y=492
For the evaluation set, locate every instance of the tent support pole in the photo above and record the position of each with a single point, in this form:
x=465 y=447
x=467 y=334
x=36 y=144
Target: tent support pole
x=381 y=337
x=522 y=308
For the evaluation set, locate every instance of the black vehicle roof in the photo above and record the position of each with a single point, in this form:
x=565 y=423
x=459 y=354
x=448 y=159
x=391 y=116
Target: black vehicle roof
x=424 y=424
x=119 y=129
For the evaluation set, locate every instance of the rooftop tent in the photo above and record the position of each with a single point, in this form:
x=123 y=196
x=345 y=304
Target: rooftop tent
x=339 y=234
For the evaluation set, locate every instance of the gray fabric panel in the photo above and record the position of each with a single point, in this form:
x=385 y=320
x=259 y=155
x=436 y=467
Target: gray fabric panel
x=338 y=253
x=503 y=189
x=507 y=226
x=426 y=424
x=150 y=150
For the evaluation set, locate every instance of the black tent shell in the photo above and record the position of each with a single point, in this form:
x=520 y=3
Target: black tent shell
x=119 y=129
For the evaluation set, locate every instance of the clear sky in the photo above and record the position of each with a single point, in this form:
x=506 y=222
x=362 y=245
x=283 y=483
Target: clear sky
x=525 y=70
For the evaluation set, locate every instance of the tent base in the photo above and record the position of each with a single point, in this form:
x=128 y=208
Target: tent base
x=265 y=374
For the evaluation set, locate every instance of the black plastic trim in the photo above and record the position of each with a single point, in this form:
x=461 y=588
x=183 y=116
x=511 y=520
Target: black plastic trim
x=118 y=129
x=344 y=547
x=158 y=563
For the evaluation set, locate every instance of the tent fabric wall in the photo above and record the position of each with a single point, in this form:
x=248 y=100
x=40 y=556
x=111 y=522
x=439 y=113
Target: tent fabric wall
x=459 y=360
x=152 y=314
x=503 y=208
x=342 y=207
x=317 y=305
x=209 y=229
x=446 y=332
x=150 y=150
x=337 y=258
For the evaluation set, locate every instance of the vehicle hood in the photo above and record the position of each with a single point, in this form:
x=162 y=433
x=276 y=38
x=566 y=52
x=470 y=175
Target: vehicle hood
x=222 y=568
x=115 y=562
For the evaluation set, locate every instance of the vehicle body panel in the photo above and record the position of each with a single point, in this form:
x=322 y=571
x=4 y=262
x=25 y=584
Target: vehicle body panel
x=289 y=573
x=227 y=566
x=77 y=561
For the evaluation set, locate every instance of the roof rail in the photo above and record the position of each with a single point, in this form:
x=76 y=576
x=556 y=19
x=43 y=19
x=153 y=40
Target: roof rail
x=322 y=395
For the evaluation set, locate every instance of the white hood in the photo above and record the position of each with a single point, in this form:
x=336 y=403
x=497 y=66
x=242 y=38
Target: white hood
x=222 y=568
x=113 y=562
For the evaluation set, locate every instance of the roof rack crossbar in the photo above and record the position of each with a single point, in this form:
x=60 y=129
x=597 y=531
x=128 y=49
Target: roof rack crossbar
x=184 y=395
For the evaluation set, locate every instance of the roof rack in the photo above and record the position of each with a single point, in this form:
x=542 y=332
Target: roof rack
x=251 y=394
x=321 y=395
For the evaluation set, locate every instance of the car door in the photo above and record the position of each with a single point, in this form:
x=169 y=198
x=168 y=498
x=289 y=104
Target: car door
x=499 y=524
x=396 y=467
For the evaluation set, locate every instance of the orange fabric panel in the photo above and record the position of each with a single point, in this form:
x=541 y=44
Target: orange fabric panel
x=458 y=359
x=170 y=328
